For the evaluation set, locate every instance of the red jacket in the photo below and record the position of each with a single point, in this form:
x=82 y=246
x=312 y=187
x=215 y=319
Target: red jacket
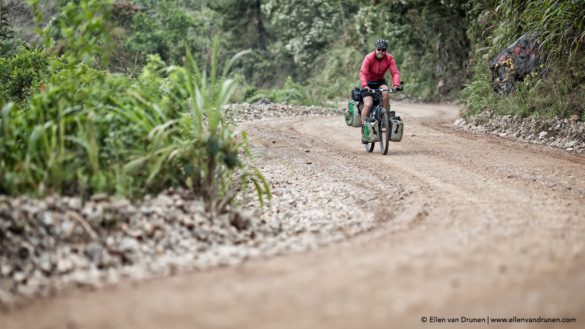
x=374 y=69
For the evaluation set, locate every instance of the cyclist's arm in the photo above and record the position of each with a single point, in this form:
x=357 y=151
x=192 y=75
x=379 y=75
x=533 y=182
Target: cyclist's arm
x=364 y=71
x=394 y=72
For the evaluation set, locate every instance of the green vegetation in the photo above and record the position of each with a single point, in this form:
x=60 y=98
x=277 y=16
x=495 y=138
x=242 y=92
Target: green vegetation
x=21 y=73
x=6 y=31
x=86 y=130
x=559 y=88
x=125 y=96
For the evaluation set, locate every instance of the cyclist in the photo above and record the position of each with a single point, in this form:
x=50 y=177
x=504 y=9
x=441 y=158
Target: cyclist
x=372 y=73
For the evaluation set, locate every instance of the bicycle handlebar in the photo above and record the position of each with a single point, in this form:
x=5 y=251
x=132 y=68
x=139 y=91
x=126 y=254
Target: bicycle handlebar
x=391 y=90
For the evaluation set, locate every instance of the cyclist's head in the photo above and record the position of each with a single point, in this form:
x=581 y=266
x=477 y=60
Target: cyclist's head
x=381 y=44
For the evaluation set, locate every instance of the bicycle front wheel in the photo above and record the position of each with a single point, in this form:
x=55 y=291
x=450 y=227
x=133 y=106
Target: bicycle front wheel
x=385 y=129
x=369 y=146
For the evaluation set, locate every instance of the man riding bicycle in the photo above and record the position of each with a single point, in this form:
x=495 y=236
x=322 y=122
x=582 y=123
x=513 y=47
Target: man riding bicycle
x=372 y=73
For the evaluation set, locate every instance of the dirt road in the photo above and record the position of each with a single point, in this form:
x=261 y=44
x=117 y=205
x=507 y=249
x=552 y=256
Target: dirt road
x=470 y=226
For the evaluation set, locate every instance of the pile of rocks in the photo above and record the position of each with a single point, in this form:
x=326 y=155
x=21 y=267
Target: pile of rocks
x=568 y=134
x=50 y=244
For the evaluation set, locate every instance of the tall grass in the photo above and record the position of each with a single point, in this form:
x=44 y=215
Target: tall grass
x=198 y=144
x=558 y=89
x=560 y=25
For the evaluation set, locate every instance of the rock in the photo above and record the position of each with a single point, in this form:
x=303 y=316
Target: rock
x=172 y=231
x=19 y=276
x=130 y=245
x=94 y=251
x=47 y=218
x=572 y=143
x=45 y=263
x=542 y=135
x=100 y=197
x=64 y=265
x=66 y=228
x=6 y=269
x=512 y=64
x=238 y=221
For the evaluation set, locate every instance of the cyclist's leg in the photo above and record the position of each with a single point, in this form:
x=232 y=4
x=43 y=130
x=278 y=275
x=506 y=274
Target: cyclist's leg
x=368 y=102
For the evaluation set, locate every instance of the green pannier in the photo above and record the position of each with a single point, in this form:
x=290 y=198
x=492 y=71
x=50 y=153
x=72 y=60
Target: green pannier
x=352 y=114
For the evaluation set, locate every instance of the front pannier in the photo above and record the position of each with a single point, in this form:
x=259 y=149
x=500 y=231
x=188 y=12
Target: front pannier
x=352 y=114
x=397 y=128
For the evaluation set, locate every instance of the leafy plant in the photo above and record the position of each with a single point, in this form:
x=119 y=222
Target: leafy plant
x=199 y=144
x=20 y=73
x=80 y=31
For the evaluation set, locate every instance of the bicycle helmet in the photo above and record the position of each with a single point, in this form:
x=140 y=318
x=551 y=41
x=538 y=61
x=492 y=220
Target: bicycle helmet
x=382 y=44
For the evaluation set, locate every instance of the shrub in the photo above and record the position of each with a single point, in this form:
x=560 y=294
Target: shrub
x=80 y=32
x=166 y=27
x=21 y=73
x=290 y=93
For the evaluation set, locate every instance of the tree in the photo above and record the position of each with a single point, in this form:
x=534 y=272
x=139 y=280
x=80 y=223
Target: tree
x=244 y=22
x=304 y=27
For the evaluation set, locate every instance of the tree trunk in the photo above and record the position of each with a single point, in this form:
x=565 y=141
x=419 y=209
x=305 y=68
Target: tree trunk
x=260 y=26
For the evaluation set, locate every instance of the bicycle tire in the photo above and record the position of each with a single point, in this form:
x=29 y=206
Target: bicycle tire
x=370 y=147
x=385 y=134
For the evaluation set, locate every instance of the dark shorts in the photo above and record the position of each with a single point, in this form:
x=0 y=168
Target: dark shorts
x=374 y=85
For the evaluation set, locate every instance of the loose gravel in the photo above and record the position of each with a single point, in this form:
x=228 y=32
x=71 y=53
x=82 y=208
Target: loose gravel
x=567 y=134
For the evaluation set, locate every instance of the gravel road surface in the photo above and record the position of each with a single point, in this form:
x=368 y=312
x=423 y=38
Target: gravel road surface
x=448 y=224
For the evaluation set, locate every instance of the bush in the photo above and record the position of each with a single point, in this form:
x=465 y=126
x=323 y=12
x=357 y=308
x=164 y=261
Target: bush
x=166 y=27
x=290 y=93
x=21 y=73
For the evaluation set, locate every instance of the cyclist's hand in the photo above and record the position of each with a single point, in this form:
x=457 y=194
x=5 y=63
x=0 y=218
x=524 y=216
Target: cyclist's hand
x=366 y=88
x=397 y=88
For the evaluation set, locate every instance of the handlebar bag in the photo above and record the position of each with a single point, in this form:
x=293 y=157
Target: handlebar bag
x=356 y=94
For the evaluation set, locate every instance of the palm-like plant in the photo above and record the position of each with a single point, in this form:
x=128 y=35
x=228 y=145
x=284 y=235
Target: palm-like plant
x=197 y=148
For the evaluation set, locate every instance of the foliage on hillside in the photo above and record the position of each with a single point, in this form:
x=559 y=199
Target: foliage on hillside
x=320 y=45
x=558 y=89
